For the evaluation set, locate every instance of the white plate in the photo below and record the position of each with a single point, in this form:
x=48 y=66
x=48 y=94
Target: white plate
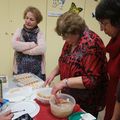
x=30 y=107
x=18 y=94
x=16 y=98
x=43 y=94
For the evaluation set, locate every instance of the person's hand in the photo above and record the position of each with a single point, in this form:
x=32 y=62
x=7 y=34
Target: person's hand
x=27 y=52
x=1 y=100
x=6 y=116
x=59 y=86
x=32 y=45
x=49 y=79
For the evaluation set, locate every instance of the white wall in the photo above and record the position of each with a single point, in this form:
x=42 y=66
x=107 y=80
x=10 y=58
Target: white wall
x=12 y=17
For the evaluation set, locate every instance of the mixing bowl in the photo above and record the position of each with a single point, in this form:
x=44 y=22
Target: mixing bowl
x=63 y=108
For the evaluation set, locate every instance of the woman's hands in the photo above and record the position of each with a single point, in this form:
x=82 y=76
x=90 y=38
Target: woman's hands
x=32 y=46
x=58 y=86
x=53 y=74
x=6 y=116
x=73 y=82
x=49 y=79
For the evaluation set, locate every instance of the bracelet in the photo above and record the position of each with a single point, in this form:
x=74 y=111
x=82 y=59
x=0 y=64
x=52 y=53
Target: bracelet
x=66 y=82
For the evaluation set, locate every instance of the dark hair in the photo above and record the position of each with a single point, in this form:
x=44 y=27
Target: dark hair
x=70 y=23
x=109 y=9
x=36 y=13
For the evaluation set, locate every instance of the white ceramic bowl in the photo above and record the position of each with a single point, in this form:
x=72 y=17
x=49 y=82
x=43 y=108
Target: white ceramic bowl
x=43 y=95
x=62 y=110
